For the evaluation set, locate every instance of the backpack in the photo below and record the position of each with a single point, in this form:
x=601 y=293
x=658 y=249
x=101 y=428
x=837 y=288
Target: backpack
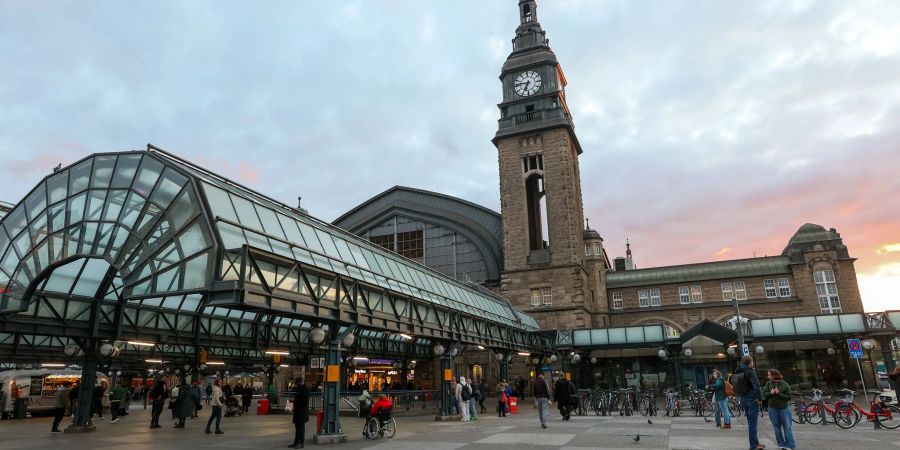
x=729 y=389
x=739 y=384
x=466 y=393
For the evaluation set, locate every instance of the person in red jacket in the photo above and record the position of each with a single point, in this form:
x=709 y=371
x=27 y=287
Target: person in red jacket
x=382 y=404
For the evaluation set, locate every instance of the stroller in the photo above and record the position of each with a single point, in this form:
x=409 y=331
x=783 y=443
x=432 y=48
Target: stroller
x=233 y=407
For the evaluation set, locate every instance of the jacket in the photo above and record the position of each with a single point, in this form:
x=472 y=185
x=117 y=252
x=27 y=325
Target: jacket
x=117 y=394
x=184 y=407
x=719 y=388
x=301 y=404
x=62 y=399
x=755 y=392
x=781 y=399
x=216 y=396
x=381 y=404
x=158 y=391
x=541 y=388
x=564 y=391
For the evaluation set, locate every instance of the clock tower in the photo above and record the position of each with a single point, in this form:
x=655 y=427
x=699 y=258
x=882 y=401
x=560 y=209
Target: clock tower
x=545 y=272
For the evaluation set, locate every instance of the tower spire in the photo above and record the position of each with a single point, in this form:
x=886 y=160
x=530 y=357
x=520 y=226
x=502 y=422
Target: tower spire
x=627 y=248
x=529 y=33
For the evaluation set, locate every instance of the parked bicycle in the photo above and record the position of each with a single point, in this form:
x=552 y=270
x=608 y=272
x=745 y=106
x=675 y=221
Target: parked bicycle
x=820 y=410
x=673 y=402
x=647 y=407
x=847 y=412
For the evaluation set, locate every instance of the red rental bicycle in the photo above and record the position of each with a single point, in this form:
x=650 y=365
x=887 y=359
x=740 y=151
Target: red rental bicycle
x=847 y=412
x=820 y=410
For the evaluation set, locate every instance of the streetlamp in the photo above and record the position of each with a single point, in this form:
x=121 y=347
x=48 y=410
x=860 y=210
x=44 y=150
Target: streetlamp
x=740 y=328
x=869 y=344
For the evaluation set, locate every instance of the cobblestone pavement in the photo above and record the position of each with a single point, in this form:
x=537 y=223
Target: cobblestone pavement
x=423 y=433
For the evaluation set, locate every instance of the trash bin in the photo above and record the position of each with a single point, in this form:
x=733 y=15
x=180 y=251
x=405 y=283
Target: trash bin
x=320 y=417
x=513 y=405
x=20 y=408
x=262 y=407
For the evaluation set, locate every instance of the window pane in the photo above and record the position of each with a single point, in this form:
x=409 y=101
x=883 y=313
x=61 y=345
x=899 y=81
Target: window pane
x=103 y=170
x=290 y=228
x=269 y=221
x=147 y=175
x=232 y=237
x=246 y=213
x=195 y=272
x=182 y=209
x=125 y=170
x=96 y=200
x=89 y=281
x=192 y=240
x=132 y=210
x=15 y=221
x=79 y=177
x=76 y=208
x=219 y=203
x=57 y=186
x=168 y=187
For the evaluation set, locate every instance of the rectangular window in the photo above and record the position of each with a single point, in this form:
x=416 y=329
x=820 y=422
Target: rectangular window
x=587 y=249
x=535 y=297
x=617 y=300
x=547 y=296
x=684 y=295
x=655 y=300
x=386 y=241
x=727 y=291
x=696 y=293
x=596 y=249
x=826 y=289
x=769 y=285
x=740 y=290
x=784 y=288
x=410 y=244
x=643 y=298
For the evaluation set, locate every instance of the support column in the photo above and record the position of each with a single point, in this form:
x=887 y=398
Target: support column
x=82 y=421
x=447 y=397
x=888 y=357
x=504 y=368
x=331 y=431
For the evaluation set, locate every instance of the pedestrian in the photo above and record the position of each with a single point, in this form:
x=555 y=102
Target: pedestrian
x=115 y=401
x=502 y=399
x=248 y=397
x=197 y=398
x=184 y=404
x=97 y=401
x=541 y=393
x=217 y=400
x=61 y=404
x=563 y=394
x=723 y=414
x=272 y=394
x=301 y=412
x=746 y=385
x=158 y=400
x=473 y=400
x=209 y=391
x=463 y=394
x=778 y=393
x=482 y=390
x=73 y=398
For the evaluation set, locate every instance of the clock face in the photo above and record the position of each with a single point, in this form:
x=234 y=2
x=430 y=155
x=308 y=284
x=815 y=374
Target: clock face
x=527 y=83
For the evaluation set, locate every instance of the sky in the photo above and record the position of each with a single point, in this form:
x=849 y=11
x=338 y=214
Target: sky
x=711 y=130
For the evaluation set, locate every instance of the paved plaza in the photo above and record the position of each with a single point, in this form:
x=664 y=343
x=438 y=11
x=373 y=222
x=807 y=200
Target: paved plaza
x=422 y=433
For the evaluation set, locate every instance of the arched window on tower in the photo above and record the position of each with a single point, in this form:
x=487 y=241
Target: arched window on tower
x=527 y=13
x=538 y=237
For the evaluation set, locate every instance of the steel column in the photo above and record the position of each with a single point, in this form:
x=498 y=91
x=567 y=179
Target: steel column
x=331 y=431
x=82 y=421
x=447 y=398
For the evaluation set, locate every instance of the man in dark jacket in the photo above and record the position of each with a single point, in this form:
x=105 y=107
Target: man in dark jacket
x=542 y=395
x=158 y=398
x=563 y=395
x=746 y=385
x=301 y=412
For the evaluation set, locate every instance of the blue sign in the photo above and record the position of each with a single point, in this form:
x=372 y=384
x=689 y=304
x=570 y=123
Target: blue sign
x=745 y=350
x=856 y=350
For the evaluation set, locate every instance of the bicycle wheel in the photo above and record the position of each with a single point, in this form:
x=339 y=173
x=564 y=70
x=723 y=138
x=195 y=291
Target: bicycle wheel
x=812 y=415
x=889 y=417
x=736 y=408
x=797 y=408
x=389 y=428
x=845 y=416
x=644 y=407
x=706 y=408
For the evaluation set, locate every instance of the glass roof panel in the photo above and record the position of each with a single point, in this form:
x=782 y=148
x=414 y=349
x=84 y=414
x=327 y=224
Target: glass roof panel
x=246 y=213
x=62 y=278
x=124 y=172
x=102 y=173
x=147 y=175
x=79 y=177
x=89 y=281
x=270 y=222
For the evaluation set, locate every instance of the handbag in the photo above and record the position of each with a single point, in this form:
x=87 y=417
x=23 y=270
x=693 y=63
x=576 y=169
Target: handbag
x=289 y=407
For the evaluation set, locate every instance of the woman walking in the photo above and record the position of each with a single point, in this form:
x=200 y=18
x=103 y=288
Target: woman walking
x=778 y=393
x=723 y=414
x=502 y=399
x=216 y=401
x=184 y=404
x=301 y=412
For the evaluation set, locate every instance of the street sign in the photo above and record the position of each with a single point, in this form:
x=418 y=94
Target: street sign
x=856 y=350
x=745 y=350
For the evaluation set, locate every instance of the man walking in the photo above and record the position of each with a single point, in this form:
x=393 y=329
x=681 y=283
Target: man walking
x=473 y=400
x=158 y=398
x=541 y=392
x=60 y=407
x=482 y=390
x=115 y=401
x=463 y=394
x=746 y=384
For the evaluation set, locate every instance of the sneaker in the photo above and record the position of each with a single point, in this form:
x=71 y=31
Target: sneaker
x=115 y=420
x=543 y=425
x=208 y=432
x=219 y=432
x=727 y=426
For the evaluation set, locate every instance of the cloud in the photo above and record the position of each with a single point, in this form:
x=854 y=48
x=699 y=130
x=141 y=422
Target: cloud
x=888 y=248
x=724 y=251
x=726 y=125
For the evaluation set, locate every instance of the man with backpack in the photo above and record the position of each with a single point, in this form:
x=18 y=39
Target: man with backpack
x=463 y=394
x=746 y=385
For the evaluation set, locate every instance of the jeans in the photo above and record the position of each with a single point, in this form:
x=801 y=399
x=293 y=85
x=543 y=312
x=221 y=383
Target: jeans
x=215 y=414
x=156 y=411
x=473 y=408
x=543 y=405
x=299 y=433
x=722 y=411
x=781 y=421
x=464 y=409
x=751 y=410
x=114 y=408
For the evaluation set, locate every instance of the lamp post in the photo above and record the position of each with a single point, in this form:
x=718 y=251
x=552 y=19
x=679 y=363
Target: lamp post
x=740 y=328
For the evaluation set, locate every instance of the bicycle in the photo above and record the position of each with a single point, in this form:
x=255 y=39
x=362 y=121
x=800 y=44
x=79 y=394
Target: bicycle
x=703 y=406
x=647 y=407
x=820 y=411
x=629 y=401
x=673 y=402
x=847 y=412
x=381 y=425
x=734 y=406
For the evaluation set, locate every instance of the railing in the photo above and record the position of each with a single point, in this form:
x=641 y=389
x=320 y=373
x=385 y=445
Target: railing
x=405 y=402
x=529 y=117
x=532 y=116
